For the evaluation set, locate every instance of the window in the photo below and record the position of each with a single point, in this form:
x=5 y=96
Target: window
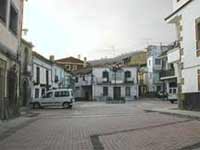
x=174 y=91
x=37 y=93
x=83 y=77
x=62 y=94
x=76 y=79
x=47 y=77
x=74 y=68
x=105 y=91
x=198 y=33
x=199 y=80
x=49 y=95
x=157 y=61
x=56 y=79
x=13 y=19
x=3 y=9
x=43 y=92
x=68 y=67
x=128 y=91
x=105 y=74
x=38 y=75
x=127 y=74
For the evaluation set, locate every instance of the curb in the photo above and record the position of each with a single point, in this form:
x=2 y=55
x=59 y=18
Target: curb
x=173 y=114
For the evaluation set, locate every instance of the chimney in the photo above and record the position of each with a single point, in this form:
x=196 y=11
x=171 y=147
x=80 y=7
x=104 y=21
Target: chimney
x=79 y=56
x=85 y=62
x=52 y=58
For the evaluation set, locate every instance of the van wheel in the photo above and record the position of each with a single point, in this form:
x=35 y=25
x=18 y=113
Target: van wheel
x=66 y=105
x=36 y=105
x=70 y=106
x=172 y=101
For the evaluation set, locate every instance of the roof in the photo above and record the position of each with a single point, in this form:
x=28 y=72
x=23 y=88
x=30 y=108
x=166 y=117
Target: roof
x=39 y=56
x=70 y=60
x=110 y=61
x=83 y=71
x=176 y=11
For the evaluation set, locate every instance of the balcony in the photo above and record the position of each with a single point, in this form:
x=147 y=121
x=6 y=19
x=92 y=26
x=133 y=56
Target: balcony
x=173 y=55
x=115 y=81
x=167 y=74
x=129 y=80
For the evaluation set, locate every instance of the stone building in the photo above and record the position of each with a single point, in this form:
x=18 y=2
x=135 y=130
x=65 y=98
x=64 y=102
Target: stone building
x=25 y=72
x=11 y=15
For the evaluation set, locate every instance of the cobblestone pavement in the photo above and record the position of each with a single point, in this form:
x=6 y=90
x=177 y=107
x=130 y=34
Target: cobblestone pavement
x=100 y=126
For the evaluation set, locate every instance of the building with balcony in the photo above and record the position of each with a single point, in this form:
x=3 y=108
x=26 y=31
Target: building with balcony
x=11 y=14
x=47 y=75
x=170 y=72
x=60 y=77
x=42 y=75
x=154 y=66
x=186 y=18
x=83 y=84
x=114 y=82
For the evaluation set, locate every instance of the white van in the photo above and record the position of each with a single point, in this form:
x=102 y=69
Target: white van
x=173 y=95
x=59 y=97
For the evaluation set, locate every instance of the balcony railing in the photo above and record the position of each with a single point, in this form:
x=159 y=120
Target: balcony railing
x=115 y=81
x=167 y=73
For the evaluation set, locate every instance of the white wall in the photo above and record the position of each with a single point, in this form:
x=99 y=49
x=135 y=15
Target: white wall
x=43 y=67
x=98 y=88
x=191 y=62
x=173 y=55
x=97 y=72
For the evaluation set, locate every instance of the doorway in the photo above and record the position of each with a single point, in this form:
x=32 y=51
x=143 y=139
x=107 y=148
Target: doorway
x=117 y=93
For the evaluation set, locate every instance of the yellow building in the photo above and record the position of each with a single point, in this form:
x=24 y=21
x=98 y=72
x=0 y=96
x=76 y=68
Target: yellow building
x=139 y=59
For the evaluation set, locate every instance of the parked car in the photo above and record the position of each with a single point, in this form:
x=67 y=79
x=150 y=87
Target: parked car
x=59 y=97
x=162 y=94
x=172 y=95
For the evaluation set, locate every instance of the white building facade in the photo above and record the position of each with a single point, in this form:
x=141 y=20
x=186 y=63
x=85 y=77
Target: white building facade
x=186 y=17
x=48 y=75
x=42 y=75
x=114 y=83
x=83 y=84
x=154 y=66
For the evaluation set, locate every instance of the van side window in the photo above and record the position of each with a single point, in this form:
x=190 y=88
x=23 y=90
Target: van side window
x=57 y=94
x=65 y=93
x=50 y=94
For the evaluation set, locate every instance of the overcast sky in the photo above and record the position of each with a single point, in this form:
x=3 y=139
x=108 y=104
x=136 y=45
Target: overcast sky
x=96 y=28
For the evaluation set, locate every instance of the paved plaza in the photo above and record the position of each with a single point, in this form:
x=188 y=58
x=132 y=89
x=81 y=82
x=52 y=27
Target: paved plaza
x=100 y=126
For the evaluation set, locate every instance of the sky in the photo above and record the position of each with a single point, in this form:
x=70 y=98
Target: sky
x=96 y=28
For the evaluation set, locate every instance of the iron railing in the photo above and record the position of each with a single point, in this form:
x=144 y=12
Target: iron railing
x=167 y=73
